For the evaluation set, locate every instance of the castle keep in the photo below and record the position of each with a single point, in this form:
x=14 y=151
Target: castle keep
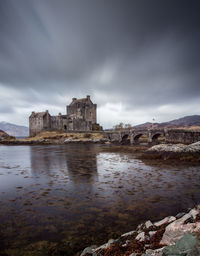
x=80 y=116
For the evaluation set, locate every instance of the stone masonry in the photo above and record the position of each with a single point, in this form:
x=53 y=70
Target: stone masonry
x=80 y=116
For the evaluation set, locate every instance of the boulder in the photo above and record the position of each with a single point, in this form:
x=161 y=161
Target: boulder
x=186 y=246
x=177 y=229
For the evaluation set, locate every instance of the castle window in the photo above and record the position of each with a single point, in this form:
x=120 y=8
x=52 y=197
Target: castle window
x=90 y=114
x=65 y=127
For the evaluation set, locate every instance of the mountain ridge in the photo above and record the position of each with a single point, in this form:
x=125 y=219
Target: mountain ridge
x=186 y=121
x=14 y=130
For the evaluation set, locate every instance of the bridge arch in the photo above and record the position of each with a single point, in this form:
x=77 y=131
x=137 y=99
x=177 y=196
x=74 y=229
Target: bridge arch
x=125 y=138
x=156 y=136
x=136 y=137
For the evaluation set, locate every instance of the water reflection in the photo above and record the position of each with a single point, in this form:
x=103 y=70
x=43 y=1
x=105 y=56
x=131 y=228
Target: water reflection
x=58 y=191
x=79 y=163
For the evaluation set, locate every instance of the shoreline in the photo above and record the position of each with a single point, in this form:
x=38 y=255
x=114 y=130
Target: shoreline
x=173 y=235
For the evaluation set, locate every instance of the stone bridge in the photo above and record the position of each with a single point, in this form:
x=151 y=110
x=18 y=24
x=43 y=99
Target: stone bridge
x=170 y=135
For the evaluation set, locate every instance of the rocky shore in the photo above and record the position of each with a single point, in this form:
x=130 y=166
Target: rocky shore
x=171 y=236
x=181 y=152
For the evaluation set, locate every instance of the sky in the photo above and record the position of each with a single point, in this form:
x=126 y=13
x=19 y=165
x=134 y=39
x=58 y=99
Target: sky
x=139 y=60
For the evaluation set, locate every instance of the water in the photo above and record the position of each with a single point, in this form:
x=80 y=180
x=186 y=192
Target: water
x=85 y=194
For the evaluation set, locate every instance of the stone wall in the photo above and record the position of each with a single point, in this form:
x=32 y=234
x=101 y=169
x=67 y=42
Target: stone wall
x=182 y=136
x=113 y=136
x=81 y=125
x=35 y=125
x=82 y=109
x=57 y=123
x=39 y=122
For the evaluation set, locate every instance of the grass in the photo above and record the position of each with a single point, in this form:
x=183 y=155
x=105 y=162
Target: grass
x=54 y=135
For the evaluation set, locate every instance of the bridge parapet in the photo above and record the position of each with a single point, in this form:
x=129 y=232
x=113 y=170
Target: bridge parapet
x=171 y=135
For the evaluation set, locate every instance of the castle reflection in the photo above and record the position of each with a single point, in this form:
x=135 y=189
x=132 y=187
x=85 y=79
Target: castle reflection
x=78 y=162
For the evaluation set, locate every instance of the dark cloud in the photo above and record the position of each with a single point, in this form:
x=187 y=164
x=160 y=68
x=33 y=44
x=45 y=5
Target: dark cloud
x=143 y=54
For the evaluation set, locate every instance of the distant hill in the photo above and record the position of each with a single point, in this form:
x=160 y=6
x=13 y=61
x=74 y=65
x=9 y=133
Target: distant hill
x=14 y=130
x=3 y=135
x=146 y=125
x=184 y=122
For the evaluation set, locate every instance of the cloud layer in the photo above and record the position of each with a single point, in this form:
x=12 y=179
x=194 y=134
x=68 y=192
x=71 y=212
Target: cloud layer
x=137 y=59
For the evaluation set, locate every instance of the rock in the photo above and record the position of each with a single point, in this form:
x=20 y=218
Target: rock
x=179 y=215
x=107 y=142
x=152 y=233
x=177 y=229
x=168 y=148
x=140 y=237
x=194 y=147
x=106 y=246
x=148 y=224
x=67 y=140
x=164 y=221
x=139 y=227
x=185 y=217
x=171 y=219
x=176 y=148
x=161 y=222
x=186 y=246
x=126 y=243
x=194 y=213
x=128 y=233
x=88 y=250
x=157 y=252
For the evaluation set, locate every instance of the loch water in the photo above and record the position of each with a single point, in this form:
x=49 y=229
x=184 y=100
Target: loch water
x=85 y=194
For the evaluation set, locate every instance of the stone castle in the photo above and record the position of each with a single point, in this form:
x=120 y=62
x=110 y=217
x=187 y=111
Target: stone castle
x=80 y=116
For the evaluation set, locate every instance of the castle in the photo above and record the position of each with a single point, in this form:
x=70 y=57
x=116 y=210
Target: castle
x=80 y=116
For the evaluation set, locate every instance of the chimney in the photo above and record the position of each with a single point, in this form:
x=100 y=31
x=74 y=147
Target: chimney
x=59 y=114
x=73 y=99
x=88 y=97
x=47 y=111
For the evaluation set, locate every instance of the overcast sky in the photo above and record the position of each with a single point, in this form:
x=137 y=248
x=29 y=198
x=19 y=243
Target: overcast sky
x=138 y=59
